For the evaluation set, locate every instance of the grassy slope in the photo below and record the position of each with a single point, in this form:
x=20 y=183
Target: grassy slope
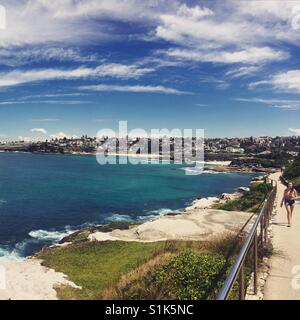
x=98 y=267
x=95 y=265
x=292 y=172
x=249 y=202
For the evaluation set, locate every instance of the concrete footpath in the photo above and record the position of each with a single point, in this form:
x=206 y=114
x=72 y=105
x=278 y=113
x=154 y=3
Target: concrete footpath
x=283 y=283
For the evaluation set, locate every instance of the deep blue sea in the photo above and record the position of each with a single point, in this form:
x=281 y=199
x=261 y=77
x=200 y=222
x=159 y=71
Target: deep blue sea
x=44 y=197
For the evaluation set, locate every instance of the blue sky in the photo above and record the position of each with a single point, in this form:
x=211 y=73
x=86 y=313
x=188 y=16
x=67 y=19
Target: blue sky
x=73 y=67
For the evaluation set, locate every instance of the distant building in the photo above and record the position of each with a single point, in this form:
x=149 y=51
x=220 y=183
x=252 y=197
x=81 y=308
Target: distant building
x=234 y=150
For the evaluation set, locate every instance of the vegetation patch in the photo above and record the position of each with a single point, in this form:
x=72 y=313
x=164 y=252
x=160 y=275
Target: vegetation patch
x=133 y=270
x=292 y=172
x=185 y=276
x=95 y=265
x=251 y=201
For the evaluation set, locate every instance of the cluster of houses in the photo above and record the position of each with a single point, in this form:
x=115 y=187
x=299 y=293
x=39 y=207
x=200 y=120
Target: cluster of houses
x=250 y=145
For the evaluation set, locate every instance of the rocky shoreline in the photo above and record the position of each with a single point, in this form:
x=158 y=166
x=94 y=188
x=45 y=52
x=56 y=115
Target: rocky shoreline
x=130 y=231
x=198 y=221
x=242 y=169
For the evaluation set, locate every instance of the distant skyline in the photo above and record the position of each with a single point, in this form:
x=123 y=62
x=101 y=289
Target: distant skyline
x=74 y=67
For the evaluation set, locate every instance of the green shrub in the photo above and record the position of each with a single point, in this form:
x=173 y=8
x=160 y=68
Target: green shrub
x=190 y=276
x=293 y=171
x=251 y=201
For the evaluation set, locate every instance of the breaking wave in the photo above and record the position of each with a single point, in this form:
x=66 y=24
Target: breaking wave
x=45 y=235
x=16 y=253
x=119 y=218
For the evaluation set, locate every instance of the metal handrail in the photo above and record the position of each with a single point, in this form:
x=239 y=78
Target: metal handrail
x=252 y=239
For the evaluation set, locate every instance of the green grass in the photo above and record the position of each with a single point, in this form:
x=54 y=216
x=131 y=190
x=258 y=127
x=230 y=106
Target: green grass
x=292 y=172
x=131 y=270
x=186 y=276
x=95 y=265
x=251 y=201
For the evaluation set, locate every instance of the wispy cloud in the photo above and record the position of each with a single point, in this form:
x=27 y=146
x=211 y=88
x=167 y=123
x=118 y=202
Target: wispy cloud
x=17 y=56
x=73 y=21
x=228 y=33
x=45 y=120
x=61 y=135
x=39 y=130
x=251 y=55
x=243 y=71
x=288 y=81
x=295 y=132
x=136 y=89
x=113 y=70
x=286 y=104
x=62 y=102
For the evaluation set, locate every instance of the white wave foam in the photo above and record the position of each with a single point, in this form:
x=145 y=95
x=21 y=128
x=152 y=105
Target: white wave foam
x=198 y=171
x=213 y=172
x=50 y=235
x=2 y=202
x=15 y=254
x=155 y=214
x=193 y=170
x=119 y=218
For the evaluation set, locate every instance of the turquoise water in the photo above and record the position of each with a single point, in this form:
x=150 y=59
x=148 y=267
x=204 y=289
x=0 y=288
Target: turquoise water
x=43 y=197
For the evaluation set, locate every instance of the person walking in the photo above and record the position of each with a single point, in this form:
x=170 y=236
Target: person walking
x=288 y=199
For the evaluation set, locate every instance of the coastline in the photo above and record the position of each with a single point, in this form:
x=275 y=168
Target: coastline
x=216 y=166
x=130 y=155
x=197 y=221
x=196 y=208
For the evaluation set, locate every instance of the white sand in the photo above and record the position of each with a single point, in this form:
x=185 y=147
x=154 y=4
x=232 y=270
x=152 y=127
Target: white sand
x=29 y=280
x=198 y=224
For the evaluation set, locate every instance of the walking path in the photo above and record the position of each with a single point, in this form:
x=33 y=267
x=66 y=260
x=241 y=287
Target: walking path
x=283 y=282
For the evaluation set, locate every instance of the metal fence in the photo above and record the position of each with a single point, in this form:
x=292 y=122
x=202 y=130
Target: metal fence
x=256 y=241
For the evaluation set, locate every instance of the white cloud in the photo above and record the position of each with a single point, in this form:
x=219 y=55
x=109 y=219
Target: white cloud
x=45 y=120
x=136 y=89
x=57 y=102
x=252 y=55
x=241 y=32
x=243 y=71
x=71 y=21
x=288 y=81
x=39 y=130
x=295 y=132
x=285 y=104
x=15 y=55
x=114 y=70
x=61 y=135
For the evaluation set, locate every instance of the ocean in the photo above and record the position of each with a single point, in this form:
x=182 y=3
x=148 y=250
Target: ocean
x=45 y=197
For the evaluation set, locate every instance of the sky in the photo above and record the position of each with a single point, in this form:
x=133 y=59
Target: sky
x=71 y=67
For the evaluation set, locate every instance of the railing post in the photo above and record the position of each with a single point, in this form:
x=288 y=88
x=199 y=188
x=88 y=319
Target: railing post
x=266 y=223
x=256 y=241
x=262 y=231
x=255 y=262
x=242 y=283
